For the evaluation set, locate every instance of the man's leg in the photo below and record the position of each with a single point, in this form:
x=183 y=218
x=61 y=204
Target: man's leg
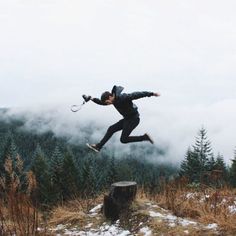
x=128 y=127
x=110 y=131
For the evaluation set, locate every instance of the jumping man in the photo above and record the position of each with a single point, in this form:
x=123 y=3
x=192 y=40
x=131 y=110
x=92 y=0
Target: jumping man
x=124 y=105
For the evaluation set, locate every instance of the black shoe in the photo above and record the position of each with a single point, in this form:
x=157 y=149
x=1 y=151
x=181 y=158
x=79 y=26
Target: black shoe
x=148 y=138
x=93 y=147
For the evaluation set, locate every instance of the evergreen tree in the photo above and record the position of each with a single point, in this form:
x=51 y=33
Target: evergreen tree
x=211 y=163
x=220 y=164
x=233 y=171
x=9 y=151
x=190 y=166
x=88 y=181
x=56 y=174
x=111 y=171
x=69 y=176
x=40 y=168
x=203 y=150
x=8 y=157
x=199 y=159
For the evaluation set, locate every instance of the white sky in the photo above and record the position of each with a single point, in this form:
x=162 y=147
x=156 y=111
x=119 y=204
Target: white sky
x=52 y=51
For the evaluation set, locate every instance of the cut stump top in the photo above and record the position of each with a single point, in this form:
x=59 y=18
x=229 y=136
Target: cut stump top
x=124 y=184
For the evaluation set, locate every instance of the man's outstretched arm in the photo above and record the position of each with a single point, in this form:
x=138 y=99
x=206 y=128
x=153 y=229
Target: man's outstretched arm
x=137 y=95
x=98 y=101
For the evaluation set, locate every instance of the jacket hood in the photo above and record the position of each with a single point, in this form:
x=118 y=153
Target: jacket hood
x=116 y=90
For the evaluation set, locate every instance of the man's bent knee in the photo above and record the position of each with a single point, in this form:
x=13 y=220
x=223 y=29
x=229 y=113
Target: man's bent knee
x=124 y=139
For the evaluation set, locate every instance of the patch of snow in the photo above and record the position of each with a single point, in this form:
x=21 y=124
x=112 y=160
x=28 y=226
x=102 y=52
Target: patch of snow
x=172 y=224
x=59 y=227
x=88 y=226
x=95 y=209
x=156 y=214
x=232 y=209
x=204 y=198
x=166 y=217
x=163 y=209
x=185 y=222
x=110 y=230
x=191 y=195
x=212 y=226
x=104 y=230
x=70 y=232
x=223 y=201
x=146 y=231
x=170 y=217
x=93 y=214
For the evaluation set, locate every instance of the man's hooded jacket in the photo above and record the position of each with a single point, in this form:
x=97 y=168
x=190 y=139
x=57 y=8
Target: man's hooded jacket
x=124 y=102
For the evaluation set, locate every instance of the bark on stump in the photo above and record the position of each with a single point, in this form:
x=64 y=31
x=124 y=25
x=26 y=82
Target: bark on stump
x=119 y=199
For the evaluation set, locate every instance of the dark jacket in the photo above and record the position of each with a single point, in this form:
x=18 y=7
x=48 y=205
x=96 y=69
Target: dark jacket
x=123 y=101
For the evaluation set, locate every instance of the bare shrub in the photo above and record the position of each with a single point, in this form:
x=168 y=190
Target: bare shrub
x=18 y=215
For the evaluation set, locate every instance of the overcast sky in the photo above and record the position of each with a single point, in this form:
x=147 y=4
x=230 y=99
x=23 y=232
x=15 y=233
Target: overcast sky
x=52 y=51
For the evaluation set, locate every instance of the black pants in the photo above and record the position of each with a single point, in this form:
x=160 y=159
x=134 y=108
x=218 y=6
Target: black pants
x=127 y=125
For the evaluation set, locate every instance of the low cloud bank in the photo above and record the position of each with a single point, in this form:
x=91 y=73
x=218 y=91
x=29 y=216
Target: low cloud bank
x=173 y=130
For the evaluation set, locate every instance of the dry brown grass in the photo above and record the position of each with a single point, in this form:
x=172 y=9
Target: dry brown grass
x=165 y=230
x=18 y=215
x=206 y=205
x=74 y=211
x=63 y=215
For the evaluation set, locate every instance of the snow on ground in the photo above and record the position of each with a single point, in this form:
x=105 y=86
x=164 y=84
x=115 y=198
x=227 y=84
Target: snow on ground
x=104 y=230
x=91 y=230
x=145 y=231
x=95 y=209
x=93 y=212
x=232 y=209
x=154 y=212
x=212 y=226
x=173 y=220
x=191 y=195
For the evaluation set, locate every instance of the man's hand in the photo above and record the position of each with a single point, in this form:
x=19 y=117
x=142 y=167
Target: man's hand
x=156 y=94
x=86 y=98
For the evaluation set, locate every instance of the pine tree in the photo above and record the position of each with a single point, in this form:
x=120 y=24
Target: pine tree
x=88 y=181
x=40 y=168
x=111 y=171
x=203 y=149
x=198 y=159
x=9 y=156
x=69 y=176
x=233 y=171
x=190 y=166
x=56 y=174
x=211 y=163
x=9 y=151
x=220 y=164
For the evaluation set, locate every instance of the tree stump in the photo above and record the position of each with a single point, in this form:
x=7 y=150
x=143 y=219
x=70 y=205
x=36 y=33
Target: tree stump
x=119 y=199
